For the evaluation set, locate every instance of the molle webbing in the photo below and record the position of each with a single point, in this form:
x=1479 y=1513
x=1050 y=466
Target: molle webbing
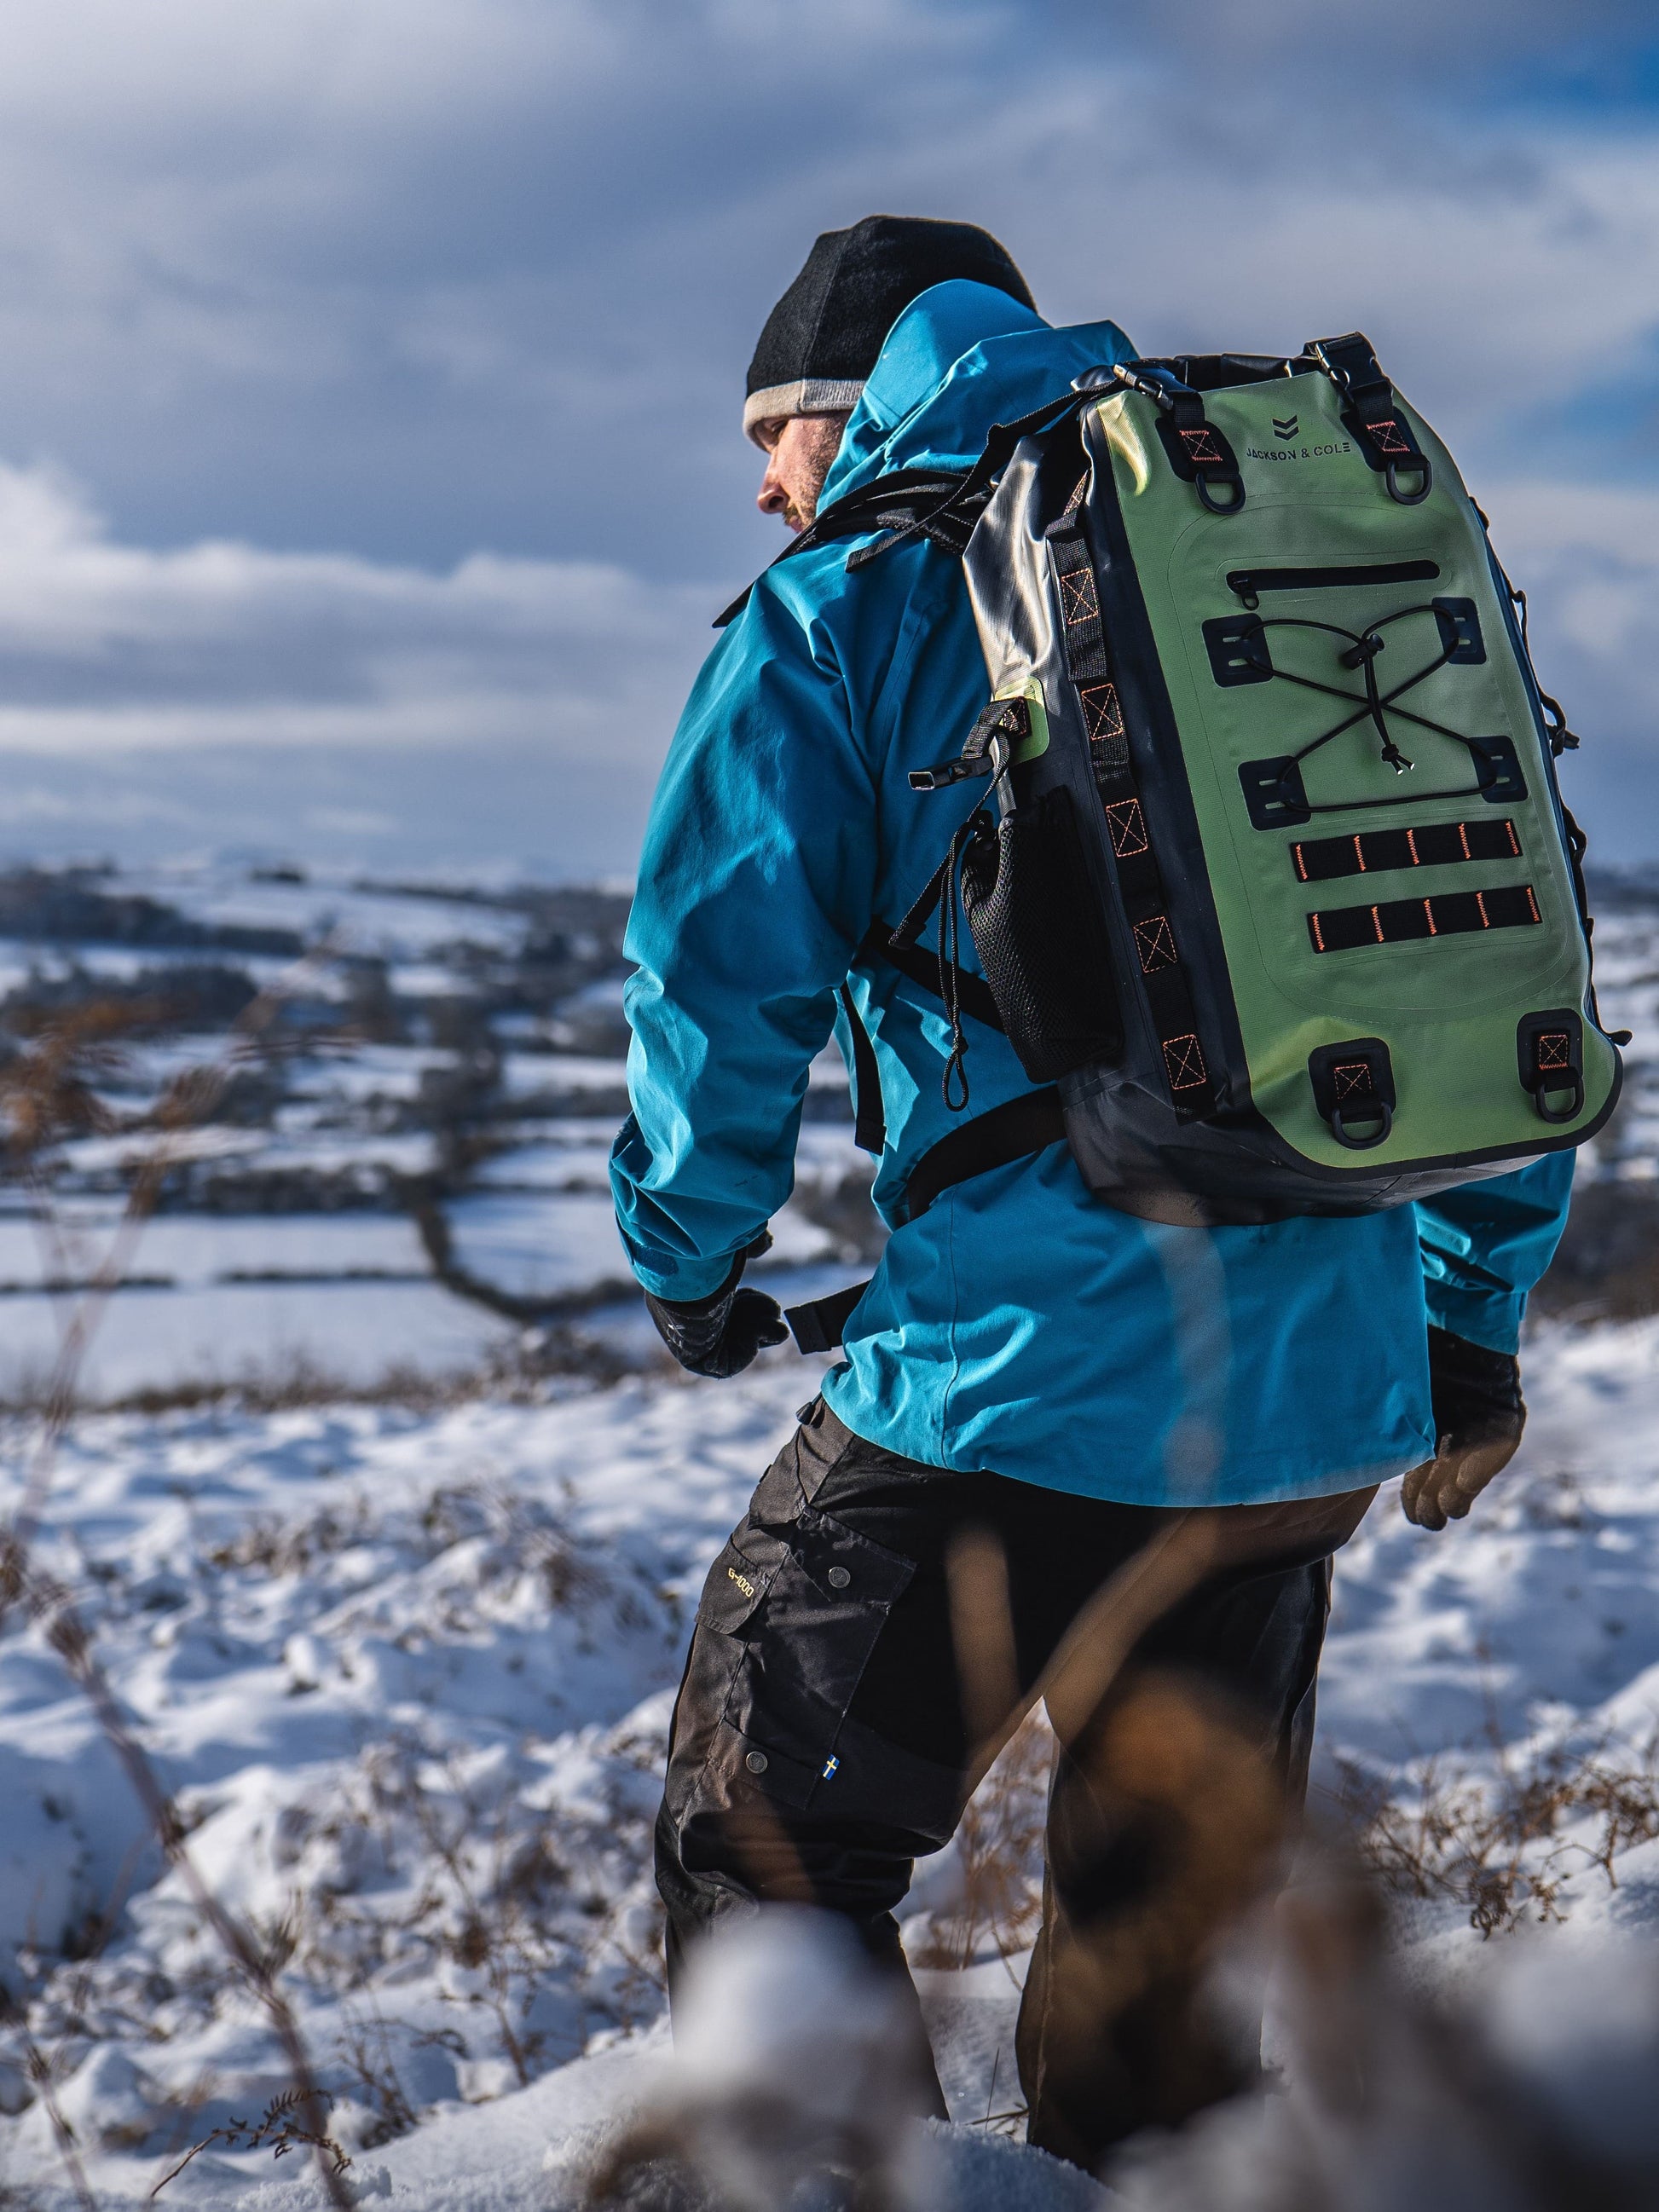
x=1167 y=993
x=1374 y=852
x=1454 y=913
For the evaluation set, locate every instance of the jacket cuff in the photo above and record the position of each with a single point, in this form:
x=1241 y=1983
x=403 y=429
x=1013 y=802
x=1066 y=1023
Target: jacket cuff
x=692 y=1282
x=1492 y=1318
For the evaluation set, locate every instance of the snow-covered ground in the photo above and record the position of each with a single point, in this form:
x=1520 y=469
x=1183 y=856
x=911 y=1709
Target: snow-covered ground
x=406 y=1665
x=409 y=1677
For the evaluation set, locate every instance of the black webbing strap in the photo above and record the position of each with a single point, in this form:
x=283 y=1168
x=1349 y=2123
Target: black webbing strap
x=942 y=505
x=1007 y=1132
x=904 y=500
x=1167 y=993
x=869 y=1114
x=972 y=995
x=972 y=992
x=1382 y=852
x=1373 y=413
x=951 y=522
x=1397 y=922
x=817 y=1326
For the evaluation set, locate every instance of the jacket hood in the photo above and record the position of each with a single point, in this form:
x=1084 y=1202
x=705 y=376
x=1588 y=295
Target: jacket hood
x=961 y=357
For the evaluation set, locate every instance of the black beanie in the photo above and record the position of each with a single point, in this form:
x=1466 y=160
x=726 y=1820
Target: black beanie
x=821 y=340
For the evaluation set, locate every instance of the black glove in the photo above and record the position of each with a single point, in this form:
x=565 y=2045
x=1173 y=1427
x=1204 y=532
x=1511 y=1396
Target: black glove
x=1479 y=1415
x=719 y=1335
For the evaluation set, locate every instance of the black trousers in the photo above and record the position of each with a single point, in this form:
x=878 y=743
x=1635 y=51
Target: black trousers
x=819 y=1742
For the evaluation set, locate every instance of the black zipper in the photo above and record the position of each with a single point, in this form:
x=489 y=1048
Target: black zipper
x=1249 y=582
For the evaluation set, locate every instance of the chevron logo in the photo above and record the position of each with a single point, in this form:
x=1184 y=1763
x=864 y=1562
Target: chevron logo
x=1286 y=429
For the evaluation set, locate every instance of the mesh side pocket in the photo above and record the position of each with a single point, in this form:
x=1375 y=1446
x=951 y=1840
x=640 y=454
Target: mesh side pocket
x=1042 y=940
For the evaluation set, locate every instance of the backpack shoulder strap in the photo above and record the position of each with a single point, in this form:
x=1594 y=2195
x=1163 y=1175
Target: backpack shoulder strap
x=904 y=500
x=1013 y=1131
x=942 y=505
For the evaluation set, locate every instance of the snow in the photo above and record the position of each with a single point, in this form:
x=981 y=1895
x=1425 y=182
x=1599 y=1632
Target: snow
x=410 y=1669
x=408 y=1673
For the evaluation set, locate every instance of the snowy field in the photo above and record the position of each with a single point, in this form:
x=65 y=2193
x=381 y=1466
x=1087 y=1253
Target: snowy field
x=409 y=1677
x=404 y=1656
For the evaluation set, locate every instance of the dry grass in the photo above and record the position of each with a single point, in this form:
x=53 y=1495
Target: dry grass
x=999 y=1850
x=281 y=2127
x=48 y=1093
x=1503 y=1844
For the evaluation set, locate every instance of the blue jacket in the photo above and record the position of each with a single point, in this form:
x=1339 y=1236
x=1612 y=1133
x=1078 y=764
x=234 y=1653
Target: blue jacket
x=1019 y=1325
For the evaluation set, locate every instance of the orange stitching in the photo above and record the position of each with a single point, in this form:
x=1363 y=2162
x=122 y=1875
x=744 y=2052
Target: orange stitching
x=1182 y=1055
x=1128 y=830
x=1155 y=944
x=1077 y=600
x=1103 y=716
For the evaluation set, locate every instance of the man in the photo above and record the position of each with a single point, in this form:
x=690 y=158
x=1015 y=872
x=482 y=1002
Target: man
x=1083 y=1399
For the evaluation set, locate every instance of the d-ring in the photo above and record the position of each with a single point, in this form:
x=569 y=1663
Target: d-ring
x=1391 y=477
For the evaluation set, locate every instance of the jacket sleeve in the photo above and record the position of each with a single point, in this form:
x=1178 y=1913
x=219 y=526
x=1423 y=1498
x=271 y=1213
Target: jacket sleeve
x=1485 y=1245
x=756 y=884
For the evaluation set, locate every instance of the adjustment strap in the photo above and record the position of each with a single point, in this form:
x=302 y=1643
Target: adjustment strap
x=972 y=992
x=1140 y=882
x=972 y=995
x=1198 y=452
x=1010 y=1132
x=817 y=1325
x=1007 y=1132
x=904 y=499
x=869 y=1114
x=1373 y=412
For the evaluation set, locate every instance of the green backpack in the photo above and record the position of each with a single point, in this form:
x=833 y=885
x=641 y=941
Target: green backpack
x=1280 y=904
x=1281 y=891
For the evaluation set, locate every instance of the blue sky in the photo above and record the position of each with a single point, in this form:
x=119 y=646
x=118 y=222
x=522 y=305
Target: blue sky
x=370 y=370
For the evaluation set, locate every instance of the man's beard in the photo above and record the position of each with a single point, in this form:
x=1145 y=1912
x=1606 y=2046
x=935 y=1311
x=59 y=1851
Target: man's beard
x=814 y=466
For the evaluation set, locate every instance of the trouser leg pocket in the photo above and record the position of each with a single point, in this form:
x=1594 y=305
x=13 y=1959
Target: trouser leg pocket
x=785 y=1626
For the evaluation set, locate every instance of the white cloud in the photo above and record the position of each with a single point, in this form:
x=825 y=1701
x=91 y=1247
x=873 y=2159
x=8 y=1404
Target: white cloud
x=110 y=644
x=413 y=277
x=428 y=274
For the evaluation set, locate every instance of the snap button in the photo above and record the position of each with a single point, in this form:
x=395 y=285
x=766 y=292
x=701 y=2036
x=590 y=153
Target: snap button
x=838 y=1579
x=756 y=1762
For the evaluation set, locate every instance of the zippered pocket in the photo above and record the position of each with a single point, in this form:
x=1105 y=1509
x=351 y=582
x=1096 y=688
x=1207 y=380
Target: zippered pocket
x=1249 y=583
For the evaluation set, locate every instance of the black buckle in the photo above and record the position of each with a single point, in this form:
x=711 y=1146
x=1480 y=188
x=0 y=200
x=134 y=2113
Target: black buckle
x=1353 y=1089
x=987 y=750
x=1550 y=1048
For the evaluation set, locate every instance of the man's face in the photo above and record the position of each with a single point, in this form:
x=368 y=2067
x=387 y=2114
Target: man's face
x=799 y=451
